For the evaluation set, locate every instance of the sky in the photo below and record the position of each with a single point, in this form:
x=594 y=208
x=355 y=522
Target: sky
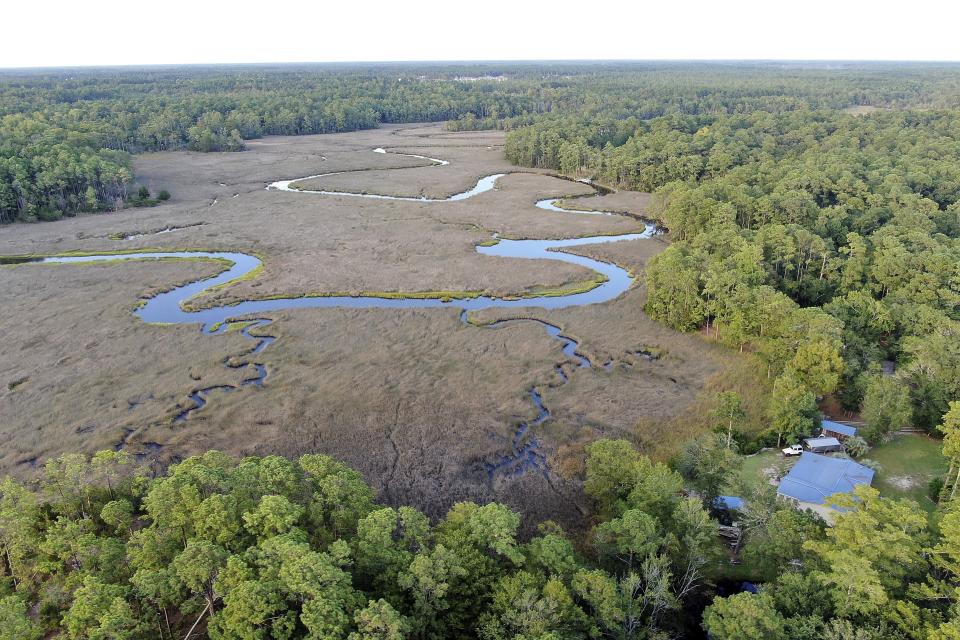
x=132 y=32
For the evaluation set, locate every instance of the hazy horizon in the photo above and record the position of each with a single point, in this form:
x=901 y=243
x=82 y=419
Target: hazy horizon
x=492 y=61
x=120 y=34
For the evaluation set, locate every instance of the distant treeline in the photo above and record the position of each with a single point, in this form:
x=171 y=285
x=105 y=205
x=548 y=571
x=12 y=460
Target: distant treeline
x=65 y=138
x=65 y=135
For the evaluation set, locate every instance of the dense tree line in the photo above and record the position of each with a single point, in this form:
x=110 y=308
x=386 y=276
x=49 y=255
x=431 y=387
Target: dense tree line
x=824 y=242
x=64 y=134
x=269 y=548
x=65 y=138
x=272 y=549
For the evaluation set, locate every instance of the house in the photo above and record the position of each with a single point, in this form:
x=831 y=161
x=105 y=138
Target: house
x=823 y=445
x=815 y=477
x=841 y=432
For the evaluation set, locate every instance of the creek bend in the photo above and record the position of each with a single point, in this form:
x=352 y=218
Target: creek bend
x=524 y=454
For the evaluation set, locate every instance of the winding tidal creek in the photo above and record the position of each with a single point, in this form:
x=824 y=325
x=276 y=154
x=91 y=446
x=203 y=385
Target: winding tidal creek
x=525 y=453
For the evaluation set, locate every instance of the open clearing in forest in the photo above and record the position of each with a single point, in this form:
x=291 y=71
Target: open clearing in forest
x=904 y=467
x=907 y=464
x=414 y=399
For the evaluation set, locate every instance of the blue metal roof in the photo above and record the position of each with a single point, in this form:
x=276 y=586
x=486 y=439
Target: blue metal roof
x=816 y=443
x=815 y=477
x=836 y=427
x=730 y=503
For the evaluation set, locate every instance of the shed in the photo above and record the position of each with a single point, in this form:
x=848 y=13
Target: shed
x=823 y=445
x=837 y=430
x=726 y=509
x=815 y=477
x=728 y=503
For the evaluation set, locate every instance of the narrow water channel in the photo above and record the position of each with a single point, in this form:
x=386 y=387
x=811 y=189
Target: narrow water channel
x=525 y=454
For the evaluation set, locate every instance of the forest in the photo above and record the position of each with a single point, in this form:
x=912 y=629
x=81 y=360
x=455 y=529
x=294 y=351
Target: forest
x=66 y=139
x=813 y=219
x=66 y=135
x=823 y=242
x=265 y=547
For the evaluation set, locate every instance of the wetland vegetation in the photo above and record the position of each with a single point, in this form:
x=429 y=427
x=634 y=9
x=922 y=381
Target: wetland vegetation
x=486 y=411
x=65 y=138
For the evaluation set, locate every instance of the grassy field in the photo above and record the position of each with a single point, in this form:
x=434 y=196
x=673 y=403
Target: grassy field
x=907 y=465
x=758 y=469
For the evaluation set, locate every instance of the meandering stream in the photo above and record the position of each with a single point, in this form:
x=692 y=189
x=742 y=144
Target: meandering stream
x=525 y=454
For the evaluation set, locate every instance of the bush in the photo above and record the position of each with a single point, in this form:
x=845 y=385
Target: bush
x=143 y=193
x=163 y=195
x=751 y=447
x=767 y=438
x=857 y=446
x=739 y=440
x=935 y=488
x=49 y=214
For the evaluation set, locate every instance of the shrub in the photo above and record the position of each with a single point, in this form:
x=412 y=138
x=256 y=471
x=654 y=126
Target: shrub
x=49 y=214
x=163 y=195
x=935 y=488
x=857 y=446
x=751 y=447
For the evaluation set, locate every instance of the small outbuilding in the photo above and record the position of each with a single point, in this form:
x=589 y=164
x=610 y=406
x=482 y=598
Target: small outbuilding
x=815 y=477
x=728 y=503
x=727 y=509
x=823 y=445
x=840 y=431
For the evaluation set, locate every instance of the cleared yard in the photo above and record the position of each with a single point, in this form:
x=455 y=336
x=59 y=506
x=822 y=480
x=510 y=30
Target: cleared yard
x=762 y=467
x=907 y=465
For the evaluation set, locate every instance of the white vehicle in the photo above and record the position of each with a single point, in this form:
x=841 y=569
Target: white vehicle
x=793 y=450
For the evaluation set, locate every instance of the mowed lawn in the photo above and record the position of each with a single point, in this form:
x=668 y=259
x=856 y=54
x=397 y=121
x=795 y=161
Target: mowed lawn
x=907 y=465
x=757 y=468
